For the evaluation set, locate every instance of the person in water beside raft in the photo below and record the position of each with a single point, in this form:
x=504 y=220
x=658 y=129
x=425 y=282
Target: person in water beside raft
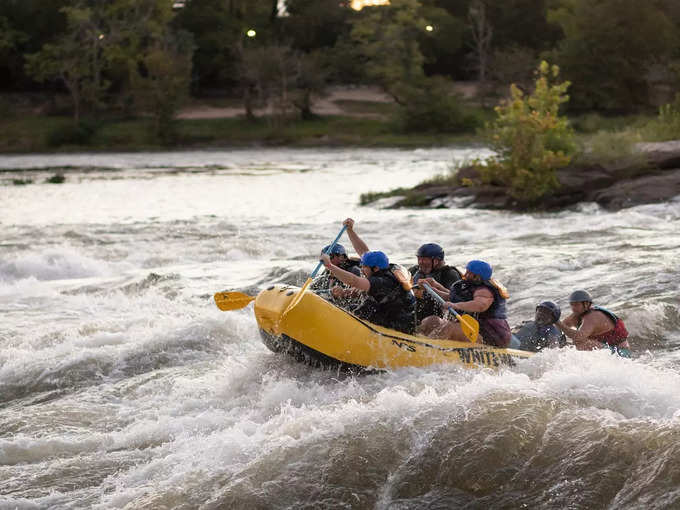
x=541 y=333
x=431 y=265
x=477 y=294
x=593 y=327
x=389 y=300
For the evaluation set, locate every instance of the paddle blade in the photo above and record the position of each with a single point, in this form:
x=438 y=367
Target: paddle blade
x=226 y=301
x=470 y=327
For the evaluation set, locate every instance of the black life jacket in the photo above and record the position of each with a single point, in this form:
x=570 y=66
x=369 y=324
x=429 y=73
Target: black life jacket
x=437 y=274
x=464 y=290
x=426 y=305
x=395 y=310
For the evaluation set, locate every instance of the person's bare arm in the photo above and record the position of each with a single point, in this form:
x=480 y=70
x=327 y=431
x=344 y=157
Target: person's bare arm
x=358 y=282
x=436 y=286
x=581 y=334
x=359 y=245
x=571 y=321
x=481 y=302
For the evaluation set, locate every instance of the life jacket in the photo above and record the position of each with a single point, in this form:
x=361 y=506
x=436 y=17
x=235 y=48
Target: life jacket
x=402 y=275
x=464 y=290
x=353 y=266
x=426 y=305
x=438 y=274
x=396 y=309
x=614 y=336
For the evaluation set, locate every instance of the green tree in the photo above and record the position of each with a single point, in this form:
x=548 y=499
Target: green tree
x=387 y=40
x=9 y=37
x=29 y=24
x=608 y=48
x=219 y=28
x=441 y=44
x=530 y=138
x=314 y=24
x=271 y=72
x=136 y=29
x=161 y=85
x=75 y=58
x=311 y=80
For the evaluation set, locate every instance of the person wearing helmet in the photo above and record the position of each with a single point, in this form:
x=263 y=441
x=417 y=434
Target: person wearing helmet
x=431 y=265
x=389 y=300
x=540 y=333
x=593 y=327
x=479 y=295
x=326 y=282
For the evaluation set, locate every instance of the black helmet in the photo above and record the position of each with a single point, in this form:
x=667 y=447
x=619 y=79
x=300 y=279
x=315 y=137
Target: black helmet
x=580 y=296
x=431 y=250
x=553 y=307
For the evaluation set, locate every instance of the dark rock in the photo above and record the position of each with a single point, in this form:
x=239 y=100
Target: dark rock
x=652 y=176
x=643 y=190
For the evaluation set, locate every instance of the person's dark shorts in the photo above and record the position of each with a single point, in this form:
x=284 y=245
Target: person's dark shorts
x=495 y=332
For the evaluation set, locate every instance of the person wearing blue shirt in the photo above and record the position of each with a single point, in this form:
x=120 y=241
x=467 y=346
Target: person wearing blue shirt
x=542 y=332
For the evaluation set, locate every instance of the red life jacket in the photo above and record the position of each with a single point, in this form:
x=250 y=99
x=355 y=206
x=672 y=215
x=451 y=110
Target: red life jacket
x=613 y=336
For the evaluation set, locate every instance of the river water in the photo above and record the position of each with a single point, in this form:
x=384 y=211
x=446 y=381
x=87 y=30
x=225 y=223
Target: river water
x=123 y=386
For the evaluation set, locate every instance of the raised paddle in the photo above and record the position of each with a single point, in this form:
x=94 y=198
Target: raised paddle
x=226 y=301
x=468 y=324
x=299 y=295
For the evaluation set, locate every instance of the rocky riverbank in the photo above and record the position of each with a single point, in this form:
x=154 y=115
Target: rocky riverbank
x=653 y=175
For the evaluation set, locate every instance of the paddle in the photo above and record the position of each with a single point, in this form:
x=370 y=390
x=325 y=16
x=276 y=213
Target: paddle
x=468 y=324
x=226 y=301
x=299 y=295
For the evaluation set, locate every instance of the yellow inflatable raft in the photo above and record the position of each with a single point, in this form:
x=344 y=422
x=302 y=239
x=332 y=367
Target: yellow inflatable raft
x=321 y=334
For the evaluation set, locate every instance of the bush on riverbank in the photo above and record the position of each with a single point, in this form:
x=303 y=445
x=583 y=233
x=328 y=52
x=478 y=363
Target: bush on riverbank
x=531 y=139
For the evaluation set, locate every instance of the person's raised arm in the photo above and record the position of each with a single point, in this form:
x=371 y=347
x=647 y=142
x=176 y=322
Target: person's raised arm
x=359 y=245
x=358 y=282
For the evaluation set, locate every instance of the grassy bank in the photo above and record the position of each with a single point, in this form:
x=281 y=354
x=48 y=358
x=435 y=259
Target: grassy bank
x=21 y=133
x=53 y=134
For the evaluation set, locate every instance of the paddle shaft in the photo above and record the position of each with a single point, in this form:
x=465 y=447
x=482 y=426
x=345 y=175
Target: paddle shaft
x=439 y=299
x=299 y=295
x=468 y=324
x=328 y=251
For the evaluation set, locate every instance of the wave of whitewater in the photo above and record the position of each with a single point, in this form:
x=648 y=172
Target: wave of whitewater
x=122 y=386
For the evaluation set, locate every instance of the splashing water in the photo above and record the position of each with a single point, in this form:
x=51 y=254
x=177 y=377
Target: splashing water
x=122 y=386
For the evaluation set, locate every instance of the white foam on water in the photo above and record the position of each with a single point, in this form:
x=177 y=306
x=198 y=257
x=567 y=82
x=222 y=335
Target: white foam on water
x=288 y=414
x=53 y=264
x=177 y=400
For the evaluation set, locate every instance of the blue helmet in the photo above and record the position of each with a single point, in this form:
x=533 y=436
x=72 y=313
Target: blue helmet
x=375 y=259
x=552 y=307
x=431 y=250
x=337 y=249
x=480 y=268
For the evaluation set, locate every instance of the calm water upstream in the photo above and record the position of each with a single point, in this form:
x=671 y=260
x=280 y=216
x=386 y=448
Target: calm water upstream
x=123 y=386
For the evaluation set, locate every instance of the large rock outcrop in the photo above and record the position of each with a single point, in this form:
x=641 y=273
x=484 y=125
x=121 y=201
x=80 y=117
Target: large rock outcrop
x=652 y=176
